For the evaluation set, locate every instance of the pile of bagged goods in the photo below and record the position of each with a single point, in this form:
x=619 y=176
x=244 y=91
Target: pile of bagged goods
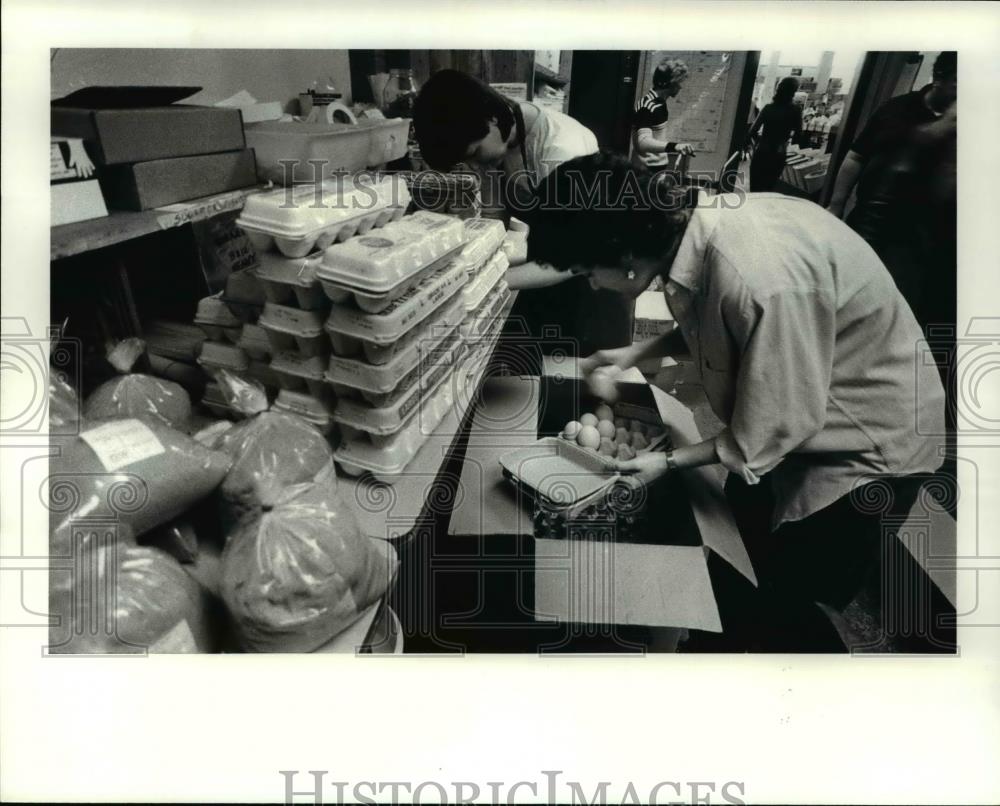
x=345 y=346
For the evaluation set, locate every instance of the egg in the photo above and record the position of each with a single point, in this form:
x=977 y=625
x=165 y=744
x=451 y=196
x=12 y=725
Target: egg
x=607 y=447
x=625 y=453
x=604 y=412
x=589 y=437
x=602 y=384
x=606 y=429
x=622 y=436
x=639 y=441
x=571 y=429
x=589 y=419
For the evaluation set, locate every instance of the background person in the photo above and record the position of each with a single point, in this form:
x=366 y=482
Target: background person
x=650 y=147
x=777 y=122
x=459 y=119
x=806 y=352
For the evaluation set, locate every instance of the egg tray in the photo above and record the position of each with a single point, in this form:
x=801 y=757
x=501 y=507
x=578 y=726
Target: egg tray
x=388 y=461
x=480 y=286
x=379 y=268
x=299 y=373
x=217 y=321
x=313 y=410
x=292 y=281
x=380 y=379
x=379 y=335
x=484 y=237
x=254 y=342
x=357 y=417
x=481 y=320
x=378 y=400
x=293 y=329
x=290 y=220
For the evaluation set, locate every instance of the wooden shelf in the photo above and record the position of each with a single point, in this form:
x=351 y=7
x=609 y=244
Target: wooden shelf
x=117 y=227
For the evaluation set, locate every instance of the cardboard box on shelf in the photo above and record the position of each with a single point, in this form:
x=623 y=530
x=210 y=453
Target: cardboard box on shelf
x=136 y=124
x=146 y=185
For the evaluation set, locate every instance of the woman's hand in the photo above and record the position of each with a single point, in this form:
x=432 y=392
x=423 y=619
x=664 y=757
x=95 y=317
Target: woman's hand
x=645 y=468
x=600 y=370
x=685 y=148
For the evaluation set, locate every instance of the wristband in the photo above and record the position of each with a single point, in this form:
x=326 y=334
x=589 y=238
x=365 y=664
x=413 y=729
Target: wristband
x=671 y=462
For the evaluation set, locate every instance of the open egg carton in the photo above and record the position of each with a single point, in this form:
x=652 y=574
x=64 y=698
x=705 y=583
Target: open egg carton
x=353 y=376
x=300 y=219
x=378 y=269
x=573 y=482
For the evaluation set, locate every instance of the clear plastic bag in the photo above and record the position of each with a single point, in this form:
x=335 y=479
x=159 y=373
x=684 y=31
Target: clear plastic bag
x=65 y=418
x=138 y=395
x=122 y=598
x=301 y=572
x=139 y=473
x=270 y=451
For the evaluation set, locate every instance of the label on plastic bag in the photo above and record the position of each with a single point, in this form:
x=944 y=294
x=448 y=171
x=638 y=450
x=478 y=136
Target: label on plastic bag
x=122 y=443
x=178 y=639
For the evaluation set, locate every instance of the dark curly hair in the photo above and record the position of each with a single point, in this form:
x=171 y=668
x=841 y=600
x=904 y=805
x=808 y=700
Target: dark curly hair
x=452 y=111
x=595 y=210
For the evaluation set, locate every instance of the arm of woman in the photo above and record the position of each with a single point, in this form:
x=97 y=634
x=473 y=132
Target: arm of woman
x=534 y=275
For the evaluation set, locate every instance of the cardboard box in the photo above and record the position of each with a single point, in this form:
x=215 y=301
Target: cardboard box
x=660 y=579
x=74 y=191
x=121 y=136
x=156 y=183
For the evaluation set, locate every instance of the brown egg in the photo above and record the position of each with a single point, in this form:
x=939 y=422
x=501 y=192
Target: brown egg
x=589 y=419
x=588 y=438
x=604 y=412
x=606 y=428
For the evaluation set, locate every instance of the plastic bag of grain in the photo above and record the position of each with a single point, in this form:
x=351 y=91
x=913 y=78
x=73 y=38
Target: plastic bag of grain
x=122 y=598
x=64 y=407
x=301 y=572
x=270 y=451
x=134 y=394
x=139 y=473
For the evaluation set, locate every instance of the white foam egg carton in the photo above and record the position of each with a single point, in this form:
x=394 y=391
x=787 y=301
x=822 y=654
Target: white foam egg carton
x=261 y=371
x=483 y=237
x=482 y=318
x=292 y=281
x=358 y=417
x=309 y=408
x=218 y=322
x=376 y=381
x=216 y=355
x=380 y=267
x=254 y=342
x=387 y=460
x=381 y=331
x=300 y=219
x=485 y=281
x=290 y=329
x=299 y=373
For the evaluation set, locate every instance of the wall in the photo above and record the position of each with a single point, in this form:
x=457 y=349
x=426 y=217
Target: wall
x=269 y=75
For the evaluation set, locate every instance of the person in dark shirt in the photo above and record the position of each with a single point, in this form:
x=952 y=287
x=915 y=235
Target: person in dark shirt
x=777 y=122
x=903 y=165
x=650 y=147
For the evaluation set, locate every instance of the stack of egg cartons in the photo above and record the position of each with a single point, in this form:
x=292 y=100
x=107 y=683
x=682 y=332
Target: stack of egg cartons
x=290 y=228
x=486 y=293
x=394 y=322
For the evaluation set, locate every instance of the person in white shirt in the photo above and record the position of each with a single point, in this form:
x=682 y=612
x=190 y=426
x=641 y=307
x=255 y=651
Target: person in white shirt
x=459 y=119
x=807 y=353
